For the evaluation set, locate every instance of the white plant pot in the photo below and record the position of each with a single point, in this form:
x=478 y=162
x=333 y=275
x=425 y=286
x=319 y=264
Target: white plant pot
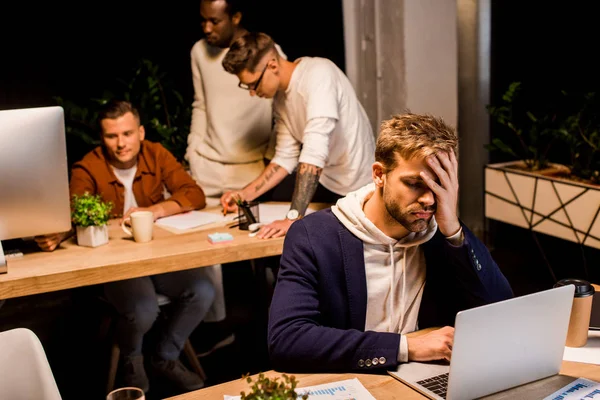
x=544 y=203
x=92 y=236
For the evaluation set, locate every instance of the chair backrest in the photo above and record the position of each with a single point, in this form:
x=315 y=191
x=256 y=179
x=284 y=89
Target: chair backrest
x=24 y=369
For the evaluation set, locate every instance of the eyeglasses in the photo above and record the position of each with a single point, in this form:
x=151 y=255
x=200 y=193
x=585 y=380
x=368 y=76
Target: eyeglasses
x=254 y=86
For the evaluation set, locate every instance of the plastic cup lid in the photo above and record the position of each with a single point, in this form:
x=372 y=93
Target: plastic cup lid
x=582 y=288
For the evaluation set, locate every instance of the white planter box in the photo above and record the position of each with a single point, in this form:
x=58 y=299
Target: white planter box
x=92 y=236
x=555 y=206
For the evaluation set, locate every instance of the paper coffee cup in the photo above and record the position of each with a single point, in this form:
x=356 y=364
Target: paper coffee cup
x=581 y=311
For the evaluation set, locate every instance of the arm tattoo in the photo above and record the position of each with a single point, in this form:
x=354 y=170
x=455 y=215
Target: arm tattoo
x=267 y=176
x=307 y=180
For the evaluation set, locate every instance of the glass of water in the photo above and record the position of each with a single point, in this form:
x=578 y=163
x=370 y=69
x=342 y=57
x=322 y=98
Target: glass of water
x=126 y=393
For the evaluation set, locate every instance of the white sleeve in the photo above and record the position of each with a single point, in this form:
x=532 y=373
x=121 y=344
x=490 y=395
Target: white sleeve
x=403 y=351
x=457 y=239
x=315 y=142
x=287 y=148
x=199 y=121
x=320 y=88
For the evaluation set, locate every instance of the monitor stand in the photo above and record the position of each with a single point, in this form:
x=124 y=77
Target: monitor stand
x=3 y=262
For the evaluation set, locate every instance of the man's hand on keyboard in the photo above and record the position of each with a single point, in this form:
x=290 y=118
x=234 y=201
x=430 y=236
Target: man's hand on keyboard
x=435 y=345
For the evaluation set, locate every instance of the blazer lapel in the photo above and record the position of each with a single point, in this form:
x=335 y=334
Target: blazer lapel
x=356 y=280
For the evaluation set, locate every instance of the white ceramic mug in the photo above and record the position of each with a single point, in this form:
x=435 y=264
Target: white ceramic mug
x=142 y=223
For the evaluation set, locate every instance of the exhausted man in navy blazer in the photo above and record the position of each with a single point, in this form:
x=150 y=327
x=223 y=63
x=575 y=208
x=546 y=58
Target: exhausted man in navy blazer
x=389 y=258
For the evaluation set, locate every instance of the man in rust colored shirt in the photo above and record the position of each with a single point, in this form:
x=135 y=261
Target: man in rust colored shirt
x=132 y=173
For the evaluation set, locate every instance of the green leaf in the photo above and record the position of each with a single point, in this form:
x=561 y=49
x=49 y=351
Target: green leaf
x=500 y=145
x=265 y=388
x=90 y=210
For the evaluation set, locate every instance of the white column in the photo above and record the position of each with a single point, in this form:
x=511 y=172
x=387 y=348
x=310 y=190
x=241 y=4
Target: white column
x=431 y=57
x=402 y=54
x=474 y=29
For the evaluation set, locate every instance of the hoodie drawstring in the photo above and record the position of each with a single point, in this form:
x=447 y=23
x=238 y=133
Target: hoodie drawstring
x=392 y=287
x=402 y=294
x=402 y=304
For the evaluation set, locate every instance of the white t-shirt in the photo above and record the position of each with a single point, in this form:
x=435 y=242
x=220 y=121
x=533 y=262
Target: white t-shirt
x=126 y=176
x=320 y=121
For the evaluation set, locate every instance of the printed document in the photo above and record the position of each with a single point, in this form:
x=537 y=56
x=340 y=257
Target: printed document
x=350 y=389
x=190 y=219
x=580 y=389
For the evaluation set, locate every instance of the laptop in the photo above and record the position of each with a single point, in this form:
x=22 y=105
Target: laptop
x=498 y=346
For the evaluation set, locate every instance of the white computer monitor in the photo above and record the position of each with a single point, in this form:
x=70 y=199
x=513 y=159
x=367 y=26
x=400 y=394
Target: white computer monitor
x=34 y=175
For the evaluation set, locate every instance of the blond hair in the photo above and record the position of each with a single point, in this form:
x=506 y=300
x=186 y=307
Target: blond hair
x=413 y=136
x=246 y=52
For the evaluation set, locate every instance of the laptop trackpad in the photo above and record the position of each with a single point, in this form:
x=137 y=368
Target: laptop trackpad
x=534 y=390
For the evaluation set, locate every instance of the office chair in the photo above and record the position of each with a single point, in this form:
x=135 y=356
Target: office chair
x=24 y=369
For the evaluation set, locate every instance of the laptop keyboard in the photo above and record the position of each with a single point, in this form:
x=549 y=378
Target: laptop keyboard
x=437 y=384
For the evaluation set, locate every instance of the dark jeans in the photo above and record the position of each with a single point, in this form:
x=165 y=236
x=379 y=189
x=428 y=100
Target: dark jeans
x=191 y=294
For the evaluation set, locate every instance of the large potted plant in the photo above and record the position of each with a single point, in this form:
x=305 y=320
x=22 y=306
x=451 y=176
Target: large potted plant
x=561 y=200
x=90 y=215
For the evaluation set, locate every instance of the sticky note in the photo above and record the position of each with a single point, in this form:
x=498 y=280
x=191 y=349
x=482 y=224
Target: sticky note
x=218 y=237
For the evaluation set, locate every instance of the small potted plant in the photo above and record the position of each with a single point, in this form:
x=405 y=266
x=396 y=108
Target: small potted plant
x=265 y=388
x=90 y=214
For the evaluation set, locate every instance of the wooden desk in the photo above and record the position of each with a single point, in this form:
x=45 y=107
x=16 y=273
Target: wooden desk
x=380 y=386
x=72 y=266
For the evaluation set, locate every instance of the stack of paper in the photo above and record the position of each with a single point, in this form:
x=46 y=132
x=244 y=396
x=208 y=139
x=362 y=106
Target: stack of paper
x=350 y=389
x=590 y=353
x=189 y=220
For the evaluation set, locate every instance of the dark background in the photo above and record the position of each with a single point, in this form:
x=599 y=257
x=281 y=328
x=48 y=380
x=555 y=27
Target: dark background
x=76 y=51
x=548 y=47
x=545 y=45
x=59 y=49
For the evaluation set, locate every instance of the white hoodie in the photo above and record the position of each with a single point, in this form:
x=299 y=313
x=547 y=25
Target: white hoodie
x=395 y=269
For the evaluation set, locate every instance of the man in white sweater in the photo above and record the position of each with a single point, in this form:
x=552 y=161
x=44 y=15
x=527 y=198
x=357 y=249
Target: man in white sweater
x=230 y=131
x=321 y=127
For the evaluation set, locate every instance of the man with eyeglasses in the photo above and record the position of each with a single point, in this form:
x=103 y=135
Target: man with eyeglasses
x=322 y=130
